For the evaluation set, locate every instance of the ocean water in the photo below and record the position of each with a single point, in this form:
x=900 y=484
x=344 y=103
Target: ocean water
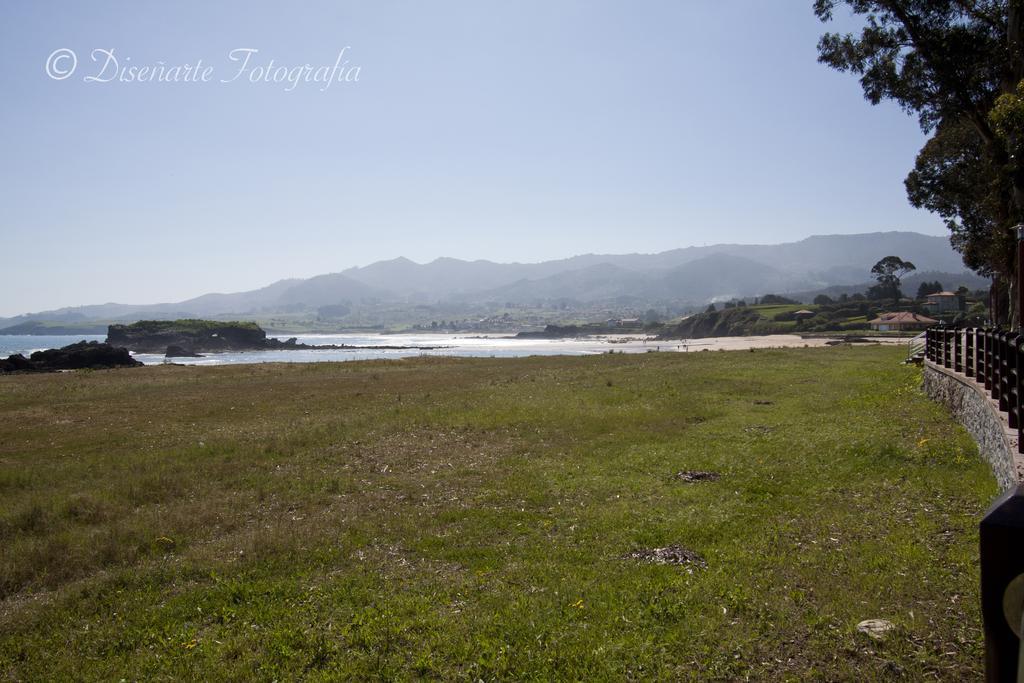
x=27 y=343
x=445 y=345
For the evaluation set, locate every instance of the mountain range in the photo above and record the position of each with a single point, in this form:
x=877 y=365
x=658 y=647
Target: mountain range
x=688 y=276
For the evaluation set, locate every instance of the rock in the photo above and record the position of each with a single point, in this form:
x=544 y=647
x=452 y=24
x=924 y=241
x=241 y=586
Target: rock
x=876 y=628
x=72 y=357
x=673 y=554
x=696 y=475
x=175 y=351
x=84 y=355
x=154 y=336
x=16 y=363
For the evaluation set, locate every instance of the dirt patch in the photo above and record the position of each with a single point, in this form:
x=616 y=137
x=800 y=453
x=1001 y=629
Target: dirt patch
x=759 y=430
x=673 y=554
x=689 y=476
x=764 y=403
x=850 y=340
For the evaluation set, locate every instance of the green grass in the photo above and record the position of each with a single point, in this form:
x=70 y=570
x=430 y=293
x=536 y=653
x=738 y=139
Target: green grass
x=466 y=519
x=189 y=325
x=769 y=311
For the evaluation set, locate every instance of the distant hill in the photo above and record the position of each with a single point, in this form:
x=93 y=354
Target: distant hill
x=909 y=284
x=688 y=276
x=39 y=327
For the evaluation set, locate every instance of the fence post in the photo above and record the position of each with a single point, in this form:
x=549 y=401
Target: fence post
x=958 y=350
x=969 y=361
x=978 y=351
x=1004 y=372
x=982 y=371
x=988 y=360
x=1001 y=535
x=1018 y=349
x=1012 y=381
x=995 y=366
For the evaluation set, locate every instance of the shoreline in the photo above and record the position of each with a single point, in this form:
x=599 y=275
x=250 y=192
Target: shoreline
x=363 y=347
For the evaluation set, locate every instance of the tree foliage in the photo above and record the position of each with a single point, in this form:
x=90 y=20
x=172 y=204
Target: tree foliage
x=956 y=177
x=891 y=268
x=926 y=288
x=957 y=65
x=888 y=272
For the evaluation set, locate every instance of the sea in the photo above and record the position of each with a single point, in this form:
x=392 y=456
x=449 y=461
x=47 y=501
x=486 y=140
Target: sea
x=443 y=345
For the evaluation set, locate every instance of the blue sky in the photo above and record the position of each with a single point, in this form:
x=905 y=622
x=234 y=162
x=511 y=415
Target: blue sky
x=524 y=130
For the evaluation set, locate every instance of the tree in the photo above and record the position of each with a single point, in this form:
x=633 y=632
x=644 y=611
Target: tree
x=775 y=299
x=955 y=177
x=957 y=65
x=888 y=272
x=823 y=300
x=926 y=288
x=961 y=297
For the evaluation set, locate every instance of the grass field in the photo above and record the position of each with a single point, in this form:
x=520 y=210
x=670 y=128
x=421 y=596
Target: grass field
x=470 y=519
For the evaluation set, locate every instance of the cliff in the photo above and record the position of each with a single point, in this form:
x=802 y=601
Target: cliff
x=182 y=338
x=73 y=357
x=154 y=336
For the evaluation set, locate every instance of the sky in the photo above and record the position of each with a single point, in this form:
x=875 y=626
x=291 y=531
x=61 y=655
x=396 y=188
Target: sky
x=520 y=130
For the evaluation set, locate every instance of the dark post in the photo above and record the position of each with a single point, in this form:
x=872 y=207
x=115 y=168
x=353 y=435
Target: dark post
x=989 y=336
x=979 y=355
x=993 y=367
x=1020 y=276
x=969 y=351
x=958 y=349
x=1019 y=379
x=1004 y=370
x=1002 y=584
x=993 y=362
x=982 y=374
x=1011 y=391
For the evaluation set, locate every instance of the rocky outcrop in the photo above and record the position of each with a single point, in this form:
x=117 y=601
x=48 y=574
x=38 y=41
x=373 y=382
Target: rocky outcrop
x=174 y=351
x=94 y=355
x=293 y=344
x=17 y=363
x=154 y=336
x=189 y=338
x=588 y=330
x=730 y=322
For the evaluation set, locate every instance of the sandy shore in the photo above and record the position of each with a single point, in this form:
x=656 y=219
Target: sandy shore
x=633 y=344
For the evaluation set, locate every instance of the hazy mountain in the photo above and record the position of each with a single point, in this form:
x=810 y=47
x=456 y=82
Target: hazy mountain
x=723 y=276
x=242 y=302
x=446 y=277
x=950 y=281
x=822 y=253
x=324 y=290
x=593 y=283
x=817 y=261
x=717 y=276
x=693 y=275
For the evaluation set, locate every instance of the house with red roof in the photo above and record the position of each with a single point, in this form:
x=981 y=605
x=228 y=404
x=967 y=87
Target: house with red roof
x=901 y=321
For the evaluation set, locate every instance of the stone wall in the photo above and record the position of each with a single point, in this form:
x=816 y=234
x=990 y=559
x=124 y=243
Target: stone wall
x=980 y=415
